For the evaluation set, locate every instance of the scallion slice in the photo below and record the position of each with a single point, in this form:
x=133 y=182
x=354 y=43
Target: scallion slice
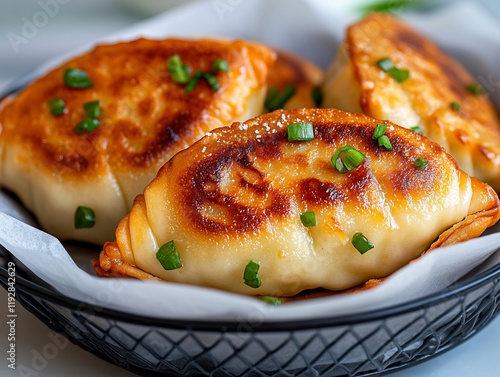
x=420 y=163
x=220 y=65
x=93 y=109
x=383 y=141
x=212 y=81
x=379 y=131
x=84 y=217
x=455 y=106
x=398 y=74
x=347 y=158
x=317 y=96
x=385 y=64
x=301 y=131
x=361 y=243
x=417 y=129
x=193 y=81
x=271 y=300
x=57 y=106
x=308 y=219
x=475 y=89
x=251 y=275
x=178 y=70
x=168 y=256
x=87 y=125
x=76 y=78
x=276 y=100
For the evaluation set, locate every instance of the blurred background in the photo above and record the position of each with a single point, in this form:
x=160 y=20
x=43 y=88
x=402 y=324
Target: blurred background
x=32 y=32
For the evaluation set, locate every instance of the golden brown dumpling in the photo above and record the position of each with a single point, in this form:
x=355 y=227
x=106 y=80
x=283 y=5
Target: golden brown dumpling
x=146 y=118
x=235 y=198
x=439 y=95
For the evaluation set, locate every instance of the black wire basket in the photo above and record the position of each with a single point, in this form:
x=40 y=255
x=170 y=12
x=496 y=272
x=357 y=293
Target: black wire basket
x=369 y=344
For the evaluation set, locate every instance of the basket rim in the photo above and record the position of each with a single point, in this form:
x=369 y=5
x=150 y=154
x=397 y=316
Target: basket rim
x=459 y=289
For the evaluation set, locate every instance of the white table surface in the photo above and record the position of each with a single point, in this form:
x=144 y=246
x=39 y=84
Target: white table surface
x=80 y=22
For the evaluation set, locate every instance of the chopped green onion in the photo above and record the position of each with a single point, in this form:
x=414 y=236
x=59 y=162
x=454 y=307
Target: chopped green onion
x=301 y=131
x=308 y=219
x=456 y=106
x=57 y=106
x=475 y=89
x=379 y=131
x=361 y=243
x=220 y=65
x=178 y=70
x=276 y=100
x=420 y=163
x=168 y=256
x=385 y=64
x=417 y=129
x=212 y=81
x=250 y=276
x=93 y=109
x=76 y=78
x=347 y=158
x=84 y=217
x=87 y=125
x=399 y=75
x=271 y=300
x=317 y=96
x=383 y=141
x=193 y=81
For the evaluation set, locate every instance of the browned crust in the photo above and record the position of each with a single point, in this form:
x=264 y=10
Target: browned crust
x=146 y=117
x=329 y=125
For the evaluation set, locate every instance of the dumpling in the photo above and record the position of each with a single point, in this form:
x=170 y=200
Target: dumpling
x=86 y=138
x=295 y=81
x=386 y=70
x=249 y=211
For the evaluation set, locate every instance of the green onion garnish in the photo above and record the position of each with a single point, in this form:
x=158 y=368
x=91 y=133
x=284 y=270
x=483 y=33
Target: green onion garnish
x=475 y=89
x=420 y=163
x=87 y=125
x=361 y=243
x=250 y=276
x=347 y=158
x=271 y=300
x=84 y=217
x=212 y=81
x=93 y=109
x=456 y=106
x=386 y=65
x=276 y=100
x=76 y=78
x=301 y=131
x=308 y=219
x=379 y=131
x=169 y=257
x=317 y=96
x=220 y=65
x=178 y=70
x=193 y=81
x=417 y=129
x=383 y=141
x=57 y=106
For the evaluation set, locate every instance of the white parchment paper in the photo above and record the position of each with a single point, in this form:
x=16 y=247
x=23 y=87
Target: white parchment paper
x=314 y=29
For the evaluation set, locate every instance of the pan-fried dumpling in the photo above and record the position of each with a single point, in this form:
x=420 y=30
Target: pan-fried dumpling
x=295 y=81
x=389 y=71
x=94 y=132
x=247 y=210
